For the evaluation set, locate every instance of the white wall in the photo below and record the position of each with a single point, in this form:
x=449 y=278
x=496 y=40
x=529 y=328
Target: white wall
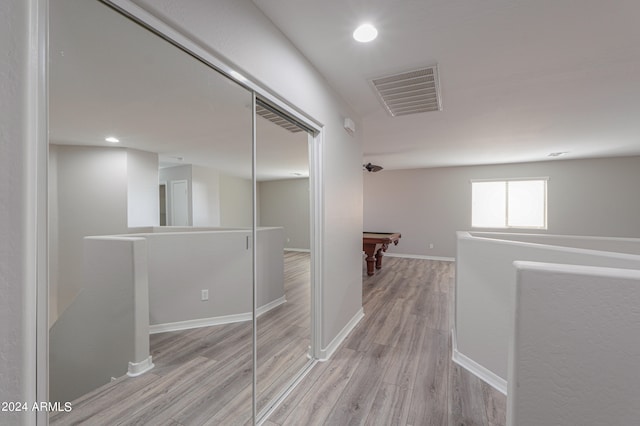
x=485 y=290
x=95 y=338
x=286 y=203
x=205 y=196
x=143 y=198
x=92 y=200
x=268 y=57
x=94 y=191
x=575 y=348
x=168 y=174
x=18 y=230
x=236 y=202
x=182 y=264
x=585 y=197
x=215 y=199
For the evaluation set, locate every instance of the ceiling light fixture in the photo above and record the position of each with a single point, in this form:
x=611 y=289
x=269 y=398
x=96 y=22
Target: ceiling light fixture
x=372 y=167
x=558 y=154
x=111 y=139
x=365 y=33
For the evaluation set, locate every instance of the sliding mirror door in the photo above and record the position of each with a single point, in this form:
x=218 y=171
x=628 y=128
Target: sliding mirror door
x=283 y=301
x=149 y=324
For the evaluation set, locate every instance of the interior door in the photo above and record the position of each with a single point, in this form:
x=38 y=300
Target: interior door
x=180 y=203
x=283 y=324
x=174 y=116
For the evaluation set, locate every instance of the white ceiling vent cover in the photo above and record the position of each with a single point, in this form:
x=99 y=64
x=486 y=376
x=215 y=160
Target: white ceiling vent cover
x=410 y=92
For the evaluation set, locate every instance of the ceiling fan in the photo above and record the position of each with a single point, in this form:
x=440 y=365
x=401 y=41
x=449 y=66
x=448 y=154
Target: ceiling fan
x=372 y=167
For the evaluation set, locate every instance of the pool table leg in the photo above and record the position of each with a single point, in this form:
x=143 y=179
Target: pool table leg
x=379 y=255
x=371 y=260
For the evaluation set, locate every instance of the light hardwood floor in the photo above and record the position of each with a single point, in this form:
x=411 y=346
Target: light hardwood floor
x=393 y=369
x=203 y=376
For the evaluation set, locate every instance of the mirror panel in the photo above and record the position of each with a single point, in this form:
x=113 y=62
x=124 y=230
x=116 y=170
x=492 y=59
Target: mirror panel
x=181 y=294
x=283 y=321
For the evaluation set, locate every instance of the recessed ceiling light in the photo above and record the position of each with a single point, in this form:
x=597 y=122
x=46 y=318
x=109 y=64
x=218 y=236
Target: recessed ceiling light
x=111 y=139
x=365 y=33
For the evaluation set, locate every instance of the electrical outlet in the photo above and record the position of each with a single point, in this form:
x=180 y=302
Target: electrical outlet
x=431 y=245
x=205 y=295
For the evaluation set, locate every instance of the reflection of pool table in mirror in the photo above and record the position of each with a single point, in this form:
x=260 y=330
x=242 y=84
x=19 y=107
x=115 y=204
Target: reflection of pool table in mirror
x=374 y=244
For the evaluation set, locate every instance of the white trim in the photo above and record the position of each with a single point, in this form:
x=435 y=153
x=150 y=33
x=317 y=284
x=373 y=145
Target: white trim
x=254 y=263
x=269 y=306
x=420 y=256
x=35 y=269
x=546 y=178
x=197 y=323
x=138 y=368
x=327 y=352
x=298 y=250
x=221 y=320
x=316 y=205
x=476 y=369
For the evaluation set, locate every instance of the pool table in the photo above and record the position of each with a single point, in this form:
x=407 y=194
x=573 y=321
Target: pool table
x=374 y=244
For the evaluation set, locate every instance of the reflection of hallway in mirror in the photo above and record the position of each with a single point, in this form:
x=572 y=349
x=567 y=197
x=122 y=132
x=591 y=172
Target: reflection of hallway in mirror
x=283 y=178
x=283 y=332
x=203 y=375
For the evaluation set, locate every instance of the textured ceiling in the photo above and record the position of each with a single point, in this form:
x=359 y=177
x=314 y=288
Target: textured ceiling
x=519 y=79
x=111 y=77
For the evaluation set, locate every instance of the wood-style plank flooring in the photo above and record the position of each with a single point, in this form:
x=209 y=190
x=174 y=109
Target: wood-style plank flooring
x=395 y=367
x=203 y=376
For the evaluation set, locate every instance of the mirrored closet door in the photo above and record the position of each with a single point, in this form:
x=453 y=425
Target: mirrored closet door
x=148 y=323
x=179 y=232
x=284 y=313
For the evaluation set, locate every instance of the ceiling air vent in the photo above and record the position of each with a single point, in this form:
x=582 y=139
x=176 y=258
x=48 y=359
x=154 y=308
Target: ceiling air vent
x=409 y=92
x=277 y=119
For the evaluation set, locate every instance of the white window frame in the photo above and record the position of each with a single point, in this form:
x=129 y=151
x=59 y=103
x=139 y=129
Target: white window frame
x=506 y=216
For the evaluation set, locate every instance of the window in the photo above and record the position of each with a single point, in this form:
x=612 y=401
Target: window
x=514 y=203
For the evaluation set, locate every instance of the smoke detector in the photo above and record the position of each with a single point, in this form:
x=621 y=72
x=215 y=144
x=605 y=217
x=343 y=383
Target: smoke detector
x=409 y=92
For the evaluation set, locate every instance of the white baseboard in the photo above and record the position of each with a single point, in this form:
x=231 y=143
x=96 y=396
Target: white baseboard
x=476 y=369
x=138 y=368
x=326 y=353
x=208 y=322
x=420 y=256
x=269 y=306
x=197 y=323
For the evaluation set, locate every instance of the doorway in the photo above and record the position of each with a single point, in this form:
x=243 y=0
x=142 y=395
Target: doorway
x=179 y=203
x=162 y=207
